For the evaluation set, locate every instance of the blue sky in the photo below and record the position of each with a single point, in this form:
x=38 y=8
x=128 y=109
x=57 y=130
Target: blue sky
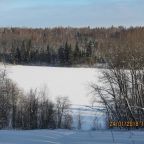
x=75 y=13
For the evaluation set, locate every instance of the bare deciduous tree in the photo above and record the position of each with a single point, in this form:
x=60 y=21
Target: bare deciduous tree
x=122 y=93
x=62 y=109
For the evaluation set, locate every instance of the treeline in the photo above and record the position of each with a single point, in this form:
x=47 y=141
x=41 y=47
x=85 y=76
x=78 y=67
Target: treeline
x=72 y=46
x=64 y=56
x=33 y=110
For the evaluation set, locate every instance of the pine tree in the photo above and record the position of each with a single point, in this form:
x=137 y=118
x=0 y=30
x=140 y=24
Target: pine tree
x=48 y=55
x=68 y=54
x=61 y=55
x=89 y=49
x=18 y=56
x=77 y=53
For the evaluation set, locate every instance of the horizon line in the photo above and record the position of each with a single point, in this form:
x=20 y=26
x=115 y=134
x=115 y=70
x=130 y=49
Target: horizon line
x=74 y=27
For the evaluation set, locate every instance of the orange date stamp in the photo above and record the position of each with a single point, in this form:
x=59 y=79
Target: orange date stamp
x=126 y=124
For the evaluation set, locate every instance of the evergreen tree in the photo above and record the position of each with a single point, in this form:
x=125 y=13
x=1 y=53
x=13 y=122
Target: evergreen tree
x=48 y=55
x=68 y=54
x=54 y=57
x=61 y=55
x=29 y=46
x=23 y=52
x=77 y=53
x=18 y=56
x=89 y=49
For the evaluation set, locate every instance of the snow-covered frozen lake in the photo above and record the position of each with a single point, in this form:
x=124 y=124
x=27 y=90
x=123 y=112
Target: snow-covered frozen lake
x=71 y=82
x=71 y=137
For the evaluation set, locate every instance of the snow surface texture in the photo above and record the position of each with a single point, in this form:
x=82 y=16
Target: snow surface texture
x=71 y=82
x=71 y=137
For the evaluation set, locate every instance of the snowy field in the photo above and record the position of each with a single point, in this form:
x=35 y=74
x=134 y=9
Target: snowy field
x=70 y=137
x=71 y=82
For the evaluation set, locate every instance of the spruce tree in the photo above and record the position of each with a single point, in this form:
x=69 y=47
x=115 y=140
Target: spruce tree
x=68 y=54
x=77 y=53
